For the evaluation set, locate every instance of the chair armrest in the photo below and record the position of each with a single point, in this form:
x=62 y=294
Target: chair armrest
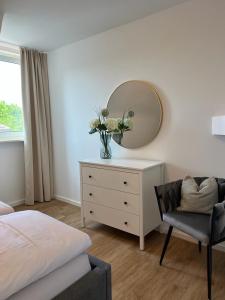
x=218 y=223
x=168 y=196
x=221 y=189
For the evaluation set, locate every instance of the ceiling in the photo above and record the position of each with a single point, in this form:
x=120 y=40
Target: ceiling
x=49 y=24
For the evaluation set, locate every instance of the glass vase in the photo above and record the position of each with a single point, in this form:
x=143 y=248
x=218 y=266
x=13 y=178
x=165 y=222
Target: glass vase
x=118 y=138
x=105 y=151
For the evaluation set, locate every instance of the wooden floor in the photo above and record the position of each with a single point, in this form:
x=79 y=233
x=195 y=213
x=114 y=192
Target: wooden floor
x=136 y=275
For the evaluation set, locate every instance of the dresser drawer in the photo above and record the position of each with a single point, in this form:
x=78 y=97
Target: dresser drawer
x=112 y=217
x=113 y=179
x=111 y=198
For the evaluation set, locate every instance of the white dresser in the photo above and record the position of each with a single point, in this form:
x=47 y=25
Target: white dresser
x=120 y=193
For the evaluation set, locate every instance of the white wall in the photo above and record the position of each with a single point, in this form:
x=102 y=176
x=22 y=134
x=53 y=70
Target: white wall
x=11 y=172
x=182 y=52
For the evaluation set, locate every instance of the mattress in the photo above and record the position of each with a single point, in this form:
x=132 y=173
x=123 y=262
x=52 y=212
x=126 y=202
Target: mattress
x=54 y=283
x=5 y=209
x=32 y=246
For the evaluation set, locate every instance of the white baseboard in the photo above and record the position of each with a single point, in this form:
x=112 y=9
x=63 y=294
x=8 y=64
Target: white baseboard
x=16 y=203
x=163 y=228
x=67 y=200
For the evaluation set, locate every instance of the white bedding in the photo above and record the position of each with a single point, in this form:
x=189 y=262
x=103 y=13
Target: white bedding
x=57 y=281
x=32 y=245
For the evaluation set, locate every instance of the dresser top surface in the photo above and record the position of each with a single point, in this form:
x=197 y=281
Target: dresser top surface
x=136 y=164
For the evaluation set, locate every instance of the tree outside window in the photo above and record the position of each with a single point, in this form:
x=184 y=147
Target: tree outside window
x=11 y=113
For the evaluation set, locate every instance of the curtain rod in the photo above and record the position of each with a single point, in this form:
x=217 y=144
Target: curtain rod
x=9 y=47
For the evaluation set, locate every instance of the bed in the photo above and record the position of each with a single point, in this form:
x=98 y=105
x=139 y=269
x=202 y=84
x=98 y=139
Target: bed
x=42 y=258
x=5 y=209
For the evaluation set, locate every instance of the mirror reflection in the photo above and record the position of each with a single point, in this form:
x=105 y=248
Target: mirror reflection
x=140 y=99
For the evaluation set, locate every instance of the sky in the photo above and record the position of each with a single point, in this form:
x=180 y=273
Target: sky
x=10 y=83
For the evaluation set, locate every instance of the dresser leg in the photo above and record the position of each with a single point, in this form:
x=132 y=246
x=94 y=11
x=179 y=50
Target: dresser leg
x=83 y=222
x=142 y=242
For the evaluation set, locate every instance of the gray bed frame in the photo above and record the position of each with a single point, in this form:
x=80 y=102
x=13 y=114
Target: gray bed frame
x=95 y=285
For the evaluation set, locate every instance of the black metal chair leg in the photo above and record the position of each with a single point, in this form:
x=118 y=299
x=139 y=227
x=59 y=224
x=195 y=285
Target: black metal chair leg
x=166 y=244
x=200 y=247
x=209 y=271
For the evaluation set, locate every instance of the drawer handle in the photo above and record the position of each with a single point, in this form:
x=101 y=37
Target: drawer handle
x=125 y=182
x=90 y=176
x=125 y=203
x=125 y=223
x=90 y=194
x=91 y=212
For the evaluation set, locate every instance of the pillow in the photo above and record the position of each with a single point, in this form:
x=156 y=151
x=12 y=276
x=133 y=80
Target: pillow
x=200 y=199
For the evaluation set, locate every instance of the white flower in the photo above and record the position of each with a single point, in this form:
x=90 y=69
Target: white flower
x=94 y=123
x=111 y=124
x=128 y=123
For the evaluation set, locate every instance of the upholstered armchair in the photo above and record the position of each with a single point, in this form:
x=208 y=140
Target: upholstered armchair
x=205 y=228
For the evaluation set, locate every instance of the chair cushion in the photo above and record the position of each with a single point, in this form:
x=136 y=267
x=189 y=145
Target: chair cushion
x=196 y=225
x=198 y=198
x=5 y=209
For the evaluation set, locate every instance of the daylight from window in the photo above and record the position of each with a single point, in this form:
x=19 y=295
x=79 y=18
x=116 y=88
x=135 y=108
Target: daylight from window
x=11 y=113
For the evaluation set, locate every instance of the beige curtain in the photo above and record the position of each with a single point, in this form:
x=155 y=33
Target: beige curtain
x=38 y=140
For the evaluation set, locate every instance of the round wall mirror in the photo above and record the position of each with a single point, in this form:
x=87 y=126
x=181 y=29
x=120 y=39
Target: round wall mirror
x=142 y=99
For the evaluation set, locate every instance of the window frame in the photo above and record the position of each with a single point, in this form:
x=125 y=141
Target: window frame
x=10 y=54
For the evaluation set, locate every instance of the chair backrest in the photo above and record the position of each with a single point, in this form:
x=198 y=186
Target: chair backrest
x=221 y=186
x=169 y=194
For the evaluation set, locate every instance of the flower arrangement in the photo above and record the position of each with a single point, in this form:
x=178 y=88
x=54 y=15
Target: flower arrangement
x=108 y=127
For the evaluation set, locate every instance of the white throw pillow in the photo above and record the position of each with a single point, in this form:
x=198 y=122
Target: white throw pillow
x=200 y=199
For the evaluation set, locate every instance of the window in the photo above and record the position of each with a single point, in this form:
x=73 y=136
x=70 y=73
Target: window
x=11 y=112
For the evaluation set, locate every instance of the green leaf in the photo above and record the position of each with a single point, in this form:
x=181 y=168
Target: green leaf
x=102 y=127
x=92 y=131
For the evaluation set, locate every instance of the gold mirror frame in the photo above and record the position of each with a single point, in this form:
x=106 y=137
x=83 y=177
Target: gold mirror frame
x=143 y=99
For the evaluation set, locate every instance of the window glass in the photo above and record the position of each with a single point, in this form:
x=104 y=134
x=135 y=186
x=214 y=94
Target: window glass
x=11 y=112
